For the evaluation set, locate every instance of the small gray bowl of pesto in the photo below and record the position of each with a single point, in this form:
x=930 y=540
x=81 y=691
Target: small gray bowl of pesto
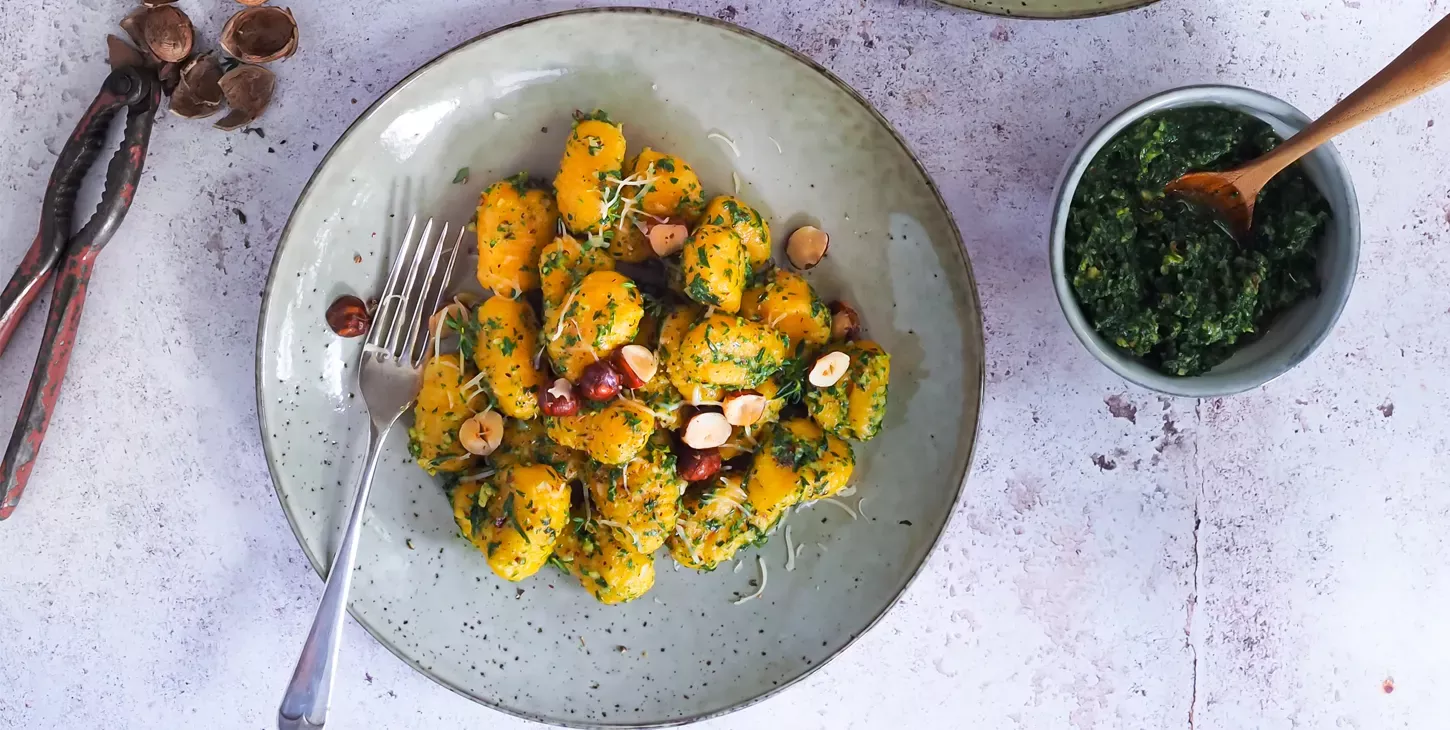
x=1157 y=289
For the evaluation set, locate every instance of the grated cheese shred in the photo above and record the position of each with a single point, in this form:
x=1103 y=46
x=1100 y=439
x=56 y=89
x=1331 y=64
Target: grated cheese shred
x=789 y=551
x=842 y=505
x=728 y=142
x=764 y=576
x=633 y=536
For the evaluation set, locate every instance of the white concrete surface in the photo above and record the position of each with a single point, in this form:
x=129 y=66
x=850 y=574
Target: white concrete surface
x=1275 y=560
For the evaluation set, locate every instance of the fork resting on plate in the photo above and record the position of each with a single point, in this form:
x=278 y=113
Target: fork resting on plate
x=390 y=372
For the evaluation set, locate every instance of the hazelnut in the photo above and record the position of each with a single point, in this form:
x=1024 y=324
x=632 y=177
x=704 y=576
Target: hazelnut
x=349 y=317
x=707 y=430
x=667 y=238
x=482 y=433
x=636 y=365
x=600 y=381
x=744 y=409
x=697 y=465
x=558 y=399
x=829 y=369
x=806 y=247
x=845 y=323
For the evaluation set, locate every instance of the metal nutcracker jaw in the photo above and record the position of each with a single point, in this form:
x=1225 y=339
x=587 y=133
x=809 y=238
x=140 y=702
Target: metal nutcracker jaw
x=138 y=91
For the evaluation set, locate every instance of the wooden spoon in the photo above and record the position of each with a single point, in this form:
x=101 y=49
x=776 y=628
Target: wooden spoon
x=1232 y=194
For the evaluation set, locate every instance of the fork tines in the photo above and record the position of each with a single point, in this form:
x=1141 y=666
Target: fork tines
x=413 y=292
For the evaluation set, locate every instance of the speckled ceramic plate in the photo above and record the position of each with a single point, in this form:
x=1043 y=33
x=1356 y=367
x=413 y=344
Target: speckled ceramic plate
x=543 y=649
x=1049 y=8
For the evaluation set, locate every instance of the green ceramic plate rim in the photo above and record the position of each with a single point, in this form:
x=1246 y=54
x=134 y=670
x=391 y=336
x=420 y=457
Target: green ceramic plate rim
x=1037 y=15
x=979 y=377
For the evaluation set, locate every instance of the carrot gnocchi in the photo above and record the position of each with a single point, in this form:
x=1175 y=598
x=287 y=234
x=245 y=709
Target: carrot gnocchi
x=664 y=387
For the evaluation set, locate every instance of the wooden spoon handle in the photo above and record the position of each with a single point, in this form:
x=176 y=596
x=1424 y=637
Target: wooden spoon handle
x=1422 y=67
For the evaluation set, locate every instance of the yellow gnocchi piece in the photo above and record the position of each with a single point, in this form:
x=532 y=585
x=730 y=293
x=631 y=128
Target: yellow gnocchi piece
x=728 y=351
x=629 y=242
x=571 y=432
x=609 y=568
x=441 y=408
x=714 y=267
x=528 y=442
x=610 y=433
x=796 y=461
x=598 y=315
x=672 y=332
x=563 y=263
x=663 y=400
x=470 y=509
x=712 y=524
x=506 y=350
x=593 y=154
x=747 y=223
x=640 y=499
x=514 y=223
x=675 y=191
x=528 y=510
x=617 y=432
x=788 y=303
x=855 y=406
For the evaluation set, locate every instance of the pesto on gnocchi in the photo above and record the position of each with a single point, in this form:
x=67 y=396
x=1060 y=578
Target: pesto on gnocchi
x=640 y=380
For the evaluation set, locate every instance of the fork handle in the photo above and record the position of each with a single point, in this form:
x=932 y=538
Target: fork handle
x=304 y=706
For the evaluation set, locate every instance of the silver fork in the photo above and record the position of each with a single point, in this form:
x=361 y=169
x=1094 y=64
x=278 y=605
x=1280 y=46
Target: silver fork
x=390 y=372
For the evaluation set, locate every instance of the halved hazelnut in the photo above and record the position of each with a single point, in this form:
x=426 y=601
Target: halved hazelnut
x=744 y=409
x=636 y=365
x=829 y=369
x=600 y=381
x=667 y=238
x=806 y=247
x=168 y=32
x=697 y=465
x=482 y=433
x=845 y=323
x=558 y=399
x=707 y=430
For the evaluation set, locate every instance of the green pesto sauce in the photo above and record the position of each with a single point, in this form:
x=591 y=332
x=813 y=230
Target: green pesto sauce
x=1162 y=278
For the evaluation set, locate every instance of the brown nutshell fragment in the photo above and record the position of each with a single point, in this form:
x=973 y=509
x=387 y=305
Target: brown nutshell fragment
x=169 y=75
x=134 y=25
x=251 y=3
x=260 y=34
x=199 y=93
x=121 y=54
x=248 y=90
x=168 y=32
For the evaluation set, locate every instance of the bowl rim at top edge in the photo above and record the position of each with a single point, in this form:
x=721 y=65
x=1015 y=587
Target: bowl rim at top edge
x=1040 y=15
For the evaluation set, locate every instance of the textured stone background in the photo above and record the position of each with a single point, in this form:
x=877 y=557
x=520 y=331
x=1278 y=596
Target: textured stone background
x=1274 y=560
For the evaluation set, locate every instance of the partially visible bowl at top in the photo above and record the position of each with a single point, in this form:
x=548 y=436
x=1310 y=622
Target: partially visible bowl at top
x=1049 y=9
x=1292 y=336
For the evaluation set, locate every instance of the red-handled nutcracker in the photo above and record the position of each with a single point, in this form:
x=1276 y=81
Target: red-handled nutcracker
x=68 y=258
